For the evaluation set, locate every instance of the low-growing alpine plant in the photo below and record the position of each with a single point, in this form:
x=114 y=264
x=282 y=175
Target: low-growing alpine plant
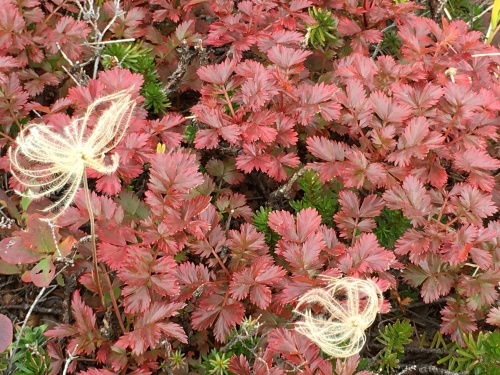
x=260 y=180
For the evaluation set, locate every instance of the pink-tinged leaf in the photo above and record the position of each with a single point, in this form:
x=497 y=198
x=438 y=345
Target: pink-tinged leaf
x=308 y=221
x=13 y=251
x=256 y=280
x=7 y=330
x=348 y=219
x=359 y=109
x=289 y=59
x=239 y=365
x=332 y=152
x=473 y=204
x=412 y=198
x=221 y=313
x=283 y=223
x=494 y=317
x=415 y=243
x=477 y=162
x=220 y=126
x=366 y=256
x=416 y=141
x=151 y=328
x=283 y=37
x=388 y=110
x=85 y=331
x=43 y=273
x=432 y=273
x=219 y=73
x=359 y=172
x=304 y=257
x=252 y=158
x=276 y=168
x=317 y=99
x=419 y=96
x=457 y=320
x=348 y=26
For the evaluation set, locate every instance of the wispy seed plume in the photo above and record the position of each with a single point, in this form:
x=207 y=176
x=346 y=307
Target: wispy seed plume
x=349 y=306
x=59 y=159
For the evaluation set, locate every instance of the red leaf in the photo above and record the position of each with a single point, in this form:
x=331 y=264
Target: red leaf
x=435 y=278
x=416 y=141
x=84 y=328
x=219 y=73
x=388 y=110
x=216 y=311
x=7 y=330
x=150 y=328
x=477 y=162
x=419 y=96
x=333 y=152
x=144 y=275
x=282 y=222
x=366 y=256
x=255 y=280
x=316 y=99
x=289 y=59
x=457 y=320
x=239 y=365
x=412 y=198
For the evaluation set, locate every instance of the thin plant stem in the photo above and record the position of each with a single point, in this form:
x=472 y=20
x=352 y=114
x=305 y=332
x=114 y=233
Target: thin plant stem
x=97 y=281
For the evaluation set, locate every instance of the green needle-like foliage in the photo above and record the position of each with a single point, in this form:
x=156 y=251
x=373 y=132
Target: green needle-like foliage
x=260 y=219
x=316 y=195
x=394 y=337
x=391 y=224
x=32 y=358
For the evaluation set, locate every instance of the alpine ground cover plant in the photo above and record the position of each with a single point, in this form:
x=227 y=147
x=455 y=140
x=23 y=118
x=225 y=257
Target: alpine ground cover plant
x=270 y=147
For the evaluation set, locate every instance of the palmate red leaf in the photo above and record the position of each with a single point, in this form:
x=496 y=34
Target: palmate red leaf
x=304 y=257
x=388 y=110
x=84 y=328
x=412 y=198
x=259 y=85
x=145 y=276
x=420 y=97
x=253 y=157
x=457 y=320
x=358 y=109
x=481 y=289
x=472 y=203
x=431 y=273
x=151 y=328
x=348 y=219
x=255 y=280
x=366 y=256
x=477 y=163
x=219 y=312
x=218 y=74
x=276 y=168
x=317 y=99
x=287 y=38
x=332 y=152
x=220 y=126
x=185 y=217
x=289 y=59
x=359 y=172
x=239 y=365
x=416 y=141
x=283 y=223
x=191 y=277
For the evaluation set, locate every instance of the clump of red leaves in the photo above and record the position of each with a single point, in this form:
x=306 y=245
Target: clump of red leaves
x=414 y=132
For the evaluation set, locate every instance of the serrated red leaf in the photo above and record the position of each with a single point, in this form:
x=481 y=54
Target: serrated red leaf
x=219 y=312
x=151 y=328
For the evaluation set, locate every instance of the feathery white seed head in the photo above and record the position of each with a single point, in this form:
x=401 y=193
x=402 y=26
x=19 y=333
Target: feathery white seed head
x=59 y=159
x=349 y=306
